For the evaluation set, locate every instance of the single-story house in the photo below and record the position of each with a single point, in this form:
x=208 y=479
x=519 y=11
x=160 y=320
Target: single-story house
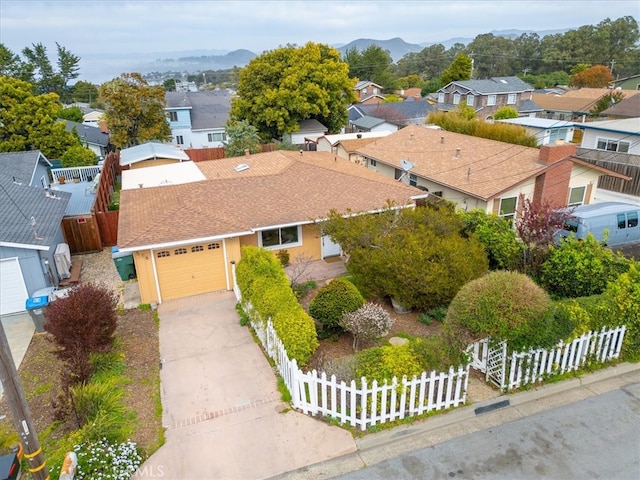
x=372 y=124
x=328 y=143
x=308 y=132
x=477 y=173
x=150 y=154
x=546 y=131
x=31 y=219
x=627 y=108
x=621 y=136
x=186 y=238
x=575 y=104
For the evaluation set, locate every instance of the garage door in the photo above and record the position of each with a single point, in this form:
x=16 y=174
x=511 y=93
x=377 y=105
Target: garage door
x=13 y=291
x=190 y=270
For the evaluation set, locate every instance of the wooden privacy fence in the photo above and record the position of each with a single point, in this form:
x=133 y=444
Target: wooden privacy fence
x=523 y=368
x=107 y=220
x=361 y=403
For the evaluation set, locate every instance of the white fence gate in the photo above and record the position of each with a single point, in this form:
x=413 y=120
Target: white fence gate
x=522 y=368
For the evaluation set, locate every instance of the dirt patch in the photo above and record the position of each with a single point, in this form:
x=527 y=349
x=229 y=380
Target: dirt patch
x=40 y=372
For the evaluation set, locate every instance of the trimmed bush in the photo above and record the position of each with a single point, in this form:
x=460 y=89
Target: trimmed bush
x=332 y=302
x=369 y=322
x=501 y=305
x=264 y=285
x=384 y=363
x=625 y=291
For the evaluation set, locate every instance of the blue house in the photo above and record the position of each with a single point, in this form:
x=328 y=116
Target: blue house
x=31 y=219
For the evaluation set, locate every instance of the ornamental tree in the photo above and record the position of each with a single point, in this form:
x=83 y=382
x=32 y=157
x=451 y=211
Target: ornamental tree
x=369 y=322
x=281 y=87
x=134 y=110
x=597 y=76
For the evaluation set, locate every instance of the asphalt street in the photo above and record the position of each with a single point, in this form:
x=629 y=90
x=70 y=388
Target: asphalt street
x=594 y=438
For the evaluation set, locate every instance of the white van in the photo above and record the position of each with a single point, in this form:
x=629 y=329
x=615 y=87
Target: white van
x=619 y=221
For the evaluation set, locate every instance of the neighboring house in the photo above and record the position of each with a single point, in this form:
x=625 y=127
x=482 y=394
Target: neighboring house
x=151 y=154
x=398 y=113
x=487 y=96
x=573 y=105
x=31 y=219
x=410 y=94
x=308 y=132
x=368 y=92
x=329 y=143
x=371 y=124
x=627 y=108
x=546 y=131
x=187 y=238
x=91 y=137
x=477 y=173
x=198 y=119
x=627 y=83
x=92 y=117
x=186 y=86
x=621 y=136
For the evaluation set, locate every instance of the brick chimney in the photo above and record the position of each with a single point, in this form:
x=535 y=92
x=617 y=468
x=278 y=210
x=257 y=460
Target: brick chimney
x=550 y=154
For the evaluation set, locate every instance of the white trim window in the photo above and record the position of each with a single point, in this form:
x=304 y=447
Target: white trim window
x=179 y=139
x=172 y=116
x=440 y=97
x=456 y=98
x=611 y=145
x=470 y=100
x=217 y=137
x=283 y=237
x=576 y=196
x=508 y=207
x=511 y=99
x=491 y=100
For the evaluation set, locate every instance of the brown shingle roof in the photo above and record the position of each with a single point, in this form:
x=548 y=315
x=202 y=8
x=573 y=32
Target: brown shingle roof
x=482 y=168
x=278 y=188
x=629 y=108
x=354 y=145
x=580 y=100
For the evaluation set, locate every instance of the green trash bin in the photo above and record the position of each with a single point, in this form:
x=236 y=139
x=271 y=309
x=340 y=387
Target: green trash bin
x=124 y=264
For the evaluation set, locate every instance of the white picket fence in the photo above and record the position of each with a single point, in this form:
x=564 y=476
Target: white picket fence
x=361 y=404
x=523 y=368
x=82 y=174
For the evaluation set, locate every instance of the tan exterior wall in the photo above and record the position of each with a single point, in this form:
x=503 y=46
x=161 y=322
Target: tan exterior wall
x=153 y=163
x=311 y=243
x=146 y=280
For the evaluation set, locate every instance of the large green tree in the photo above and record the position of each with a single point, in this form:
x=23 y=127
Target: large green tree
x=460 y=69
x=48 y=79
x=28 y=121
x=281 y=87
x=134 y=110
x=85 y=92
x=373 y=64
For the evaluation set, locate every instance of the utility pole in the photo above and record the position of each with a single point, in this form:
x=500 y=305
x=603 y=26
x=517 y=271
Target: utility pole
x=20 y=412
x=613 y=62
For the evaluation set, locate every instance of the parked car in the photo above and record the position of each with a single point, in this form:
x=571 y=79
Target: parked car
x=613 y=223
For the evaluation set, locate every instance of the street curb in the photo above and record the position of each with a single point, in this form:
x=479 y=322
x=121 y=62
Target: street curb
x=380 y=446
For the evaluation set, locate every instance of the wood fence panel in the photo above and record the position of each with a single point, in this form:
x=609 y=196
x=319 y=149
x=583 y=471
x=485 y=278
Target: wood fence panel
x=82 y=234
x=108 y=227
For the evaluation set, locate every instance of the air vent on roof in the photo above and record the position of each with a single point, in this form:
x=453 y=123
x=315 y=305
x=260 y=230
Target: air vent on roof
x=241 y=167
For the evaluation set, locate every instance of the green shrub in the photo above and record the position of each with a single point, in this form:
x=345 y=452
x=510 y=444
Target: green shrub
x=283 y=256
x=425 y=318
x=78 y=156
x=625 y=291
x=580 y=268
x=501 y=305
x=384 y=363
x=589 y=313
x=332 y=302
x=437 y=313
x=436 y=353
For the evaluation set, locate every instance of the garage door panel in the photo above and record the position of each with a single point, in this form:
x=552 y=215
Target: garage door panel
x=13 y=291
x=190 y=273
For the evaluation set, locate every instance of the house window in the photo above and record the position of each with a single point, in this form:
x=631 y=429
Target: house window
x=281 y=237
x=217 y=137
x=213 y=246
x=180 y=251
x=375 y=90
x=610 y=145
x=508 y=207
x=438 y=194
x=491 y=100
x=413 y=180
x=173 y=116
x=364 y=91
x=197 y=248
x=163 y=253
x=179 y=140
x=557 y=134
x=440 y=97
x=373 y=163
x=456 y=98
x=511 y=99
x=470 y=100
x=576 y=196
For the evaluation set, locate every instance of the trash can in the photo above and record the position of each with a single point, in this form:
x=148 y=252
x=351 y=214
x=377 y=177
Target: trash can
x=124 y=264
x=35 y=306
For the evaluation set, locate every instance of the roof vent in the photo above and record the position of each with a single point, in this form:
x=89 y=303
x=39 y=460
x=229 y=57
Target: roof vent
x=242 y=167
x=442 y=139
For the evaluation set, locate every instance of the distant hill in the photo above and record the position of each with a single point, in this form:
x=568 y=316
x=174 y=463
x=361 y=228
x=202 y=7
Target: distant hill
x=397 y=47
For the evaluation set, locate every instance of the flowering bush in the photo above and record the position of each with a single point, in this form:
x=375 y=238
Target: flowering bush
x=369 y=322
x=107 y=461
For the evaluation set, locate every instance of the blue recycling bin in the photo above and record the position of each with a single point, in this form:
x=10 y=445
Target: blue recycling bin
x=35 y=306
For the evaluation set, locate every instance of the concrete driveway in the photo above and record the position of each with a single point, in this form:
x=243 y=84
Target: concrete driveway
x=222 y=411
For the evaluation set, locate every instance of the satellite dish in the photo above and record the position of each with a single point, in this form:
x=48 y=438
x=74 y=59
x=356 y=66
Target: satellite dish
x=406 y=165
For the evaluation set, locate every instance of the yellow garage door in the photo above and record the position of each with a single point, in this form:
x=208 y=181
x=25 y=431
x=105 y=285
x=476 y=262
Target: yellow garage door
x=190 y=270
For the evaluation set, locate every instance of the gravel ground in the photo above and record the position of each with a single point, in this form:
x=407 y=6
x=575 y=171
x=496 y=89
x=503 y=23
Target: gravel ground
x=100 y=269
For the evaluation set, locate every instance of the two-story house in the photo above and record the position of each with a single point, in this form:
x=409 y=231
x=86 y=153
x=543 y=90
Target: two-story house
x=368 y=92
x=198 y=119
x=487 y=96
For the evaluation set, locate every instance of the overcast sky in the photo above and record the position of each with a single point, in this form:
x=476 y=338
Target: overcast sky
x=87 y=27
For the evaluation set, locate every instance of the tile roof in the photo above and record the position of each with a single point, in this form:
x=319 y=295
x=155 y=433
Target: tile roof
x=278 y=188
x=21 y=165
x=479 y=167
x=88 y=134
x=21 y=203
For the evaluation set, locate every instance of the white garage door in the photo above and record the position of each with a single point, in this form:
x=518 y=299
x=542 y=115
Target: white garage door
x=13 y=291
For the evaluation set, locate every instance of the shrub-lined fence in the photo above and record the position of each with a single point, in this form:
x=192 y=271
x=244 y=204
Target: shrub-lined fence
x=361 y=404
x=524 y=368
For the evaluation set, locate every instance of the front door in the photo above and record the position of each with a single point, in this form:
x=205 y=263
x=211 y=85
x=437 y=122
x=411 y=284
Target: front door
x=329 y=247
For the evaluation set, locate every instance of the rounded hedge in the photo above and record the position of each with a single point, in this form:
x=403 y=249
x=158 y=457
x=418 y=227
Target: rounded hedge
x=332 y=302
